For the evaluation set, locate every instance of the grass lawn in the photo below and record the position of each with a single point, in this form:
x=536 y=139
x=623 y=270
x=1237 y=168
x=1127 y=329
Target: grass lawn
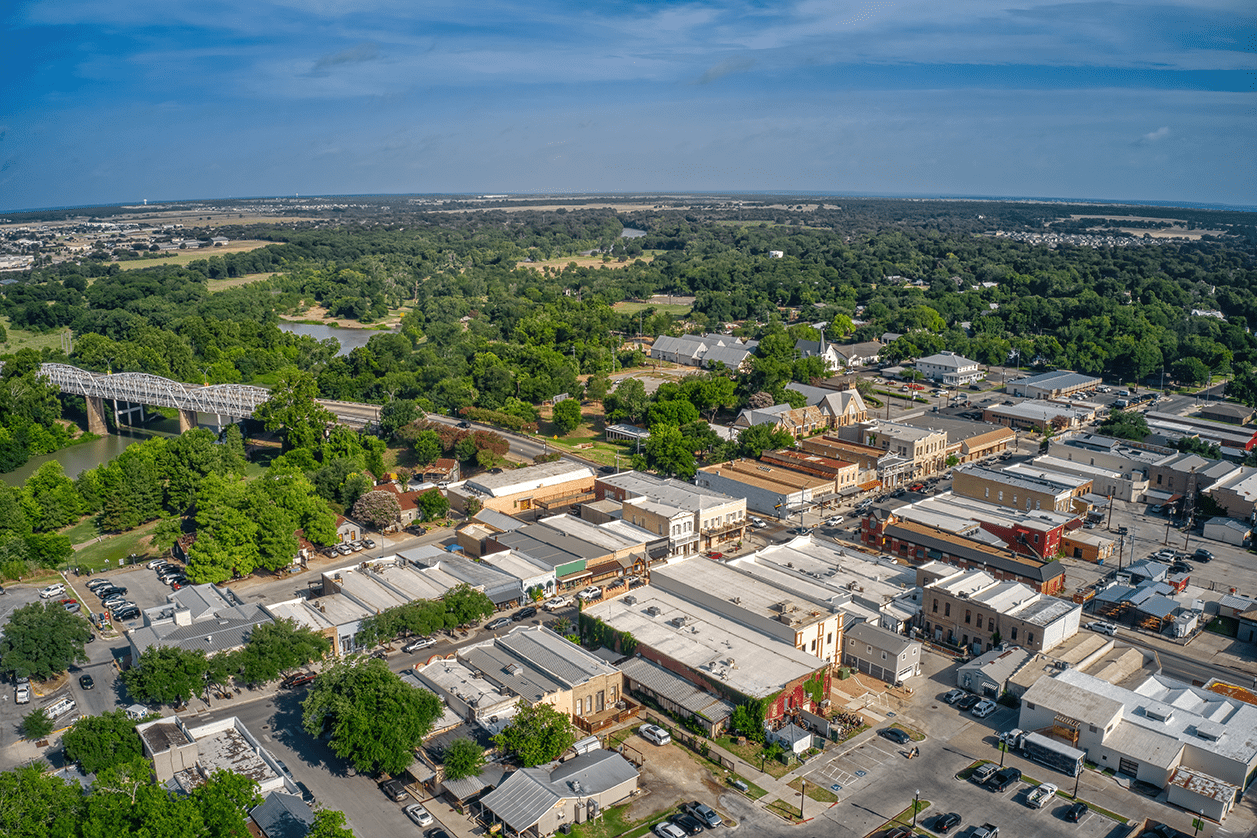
x=751 y=753
x=815 y=792
x=111 y=548
x=84 y=530
x=789 y=811
x=561 y=262
x=24 y=339
x=216 y=285
x=183 y=257
x=675 y=309
x=613 y=824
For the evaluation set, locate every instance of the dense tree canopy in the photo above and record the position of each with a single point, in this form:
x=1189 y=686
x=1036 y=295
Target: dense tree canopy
x=42 y=639
x=99 y=742
x=537 y=734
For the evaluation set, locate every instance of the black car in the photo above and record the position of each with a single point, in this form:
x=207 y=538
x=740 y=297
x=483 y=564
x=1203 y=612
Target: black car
x=944 y=823
x=1162 y=830
x=969 y=702
x=111 y=590
x=1003 y=779
x=894 y=734
x=1180 y=567
x=86 y=682
x=127 y=613
x=394 y=789
x=464 y=424
x=799 y=531
x=436 y=833
x=1202 y=555
x=606 y=470
x=1076 y=812
x=689 y=824
x=524 y=614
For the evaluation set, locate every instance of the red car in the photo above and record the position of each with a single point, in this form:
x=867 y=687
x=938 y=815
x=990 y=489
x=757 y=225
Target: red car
x=712 y=554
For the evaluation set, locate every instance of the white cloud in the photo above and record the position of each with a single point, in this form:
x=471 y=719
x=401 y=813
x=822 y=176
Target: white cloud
x=1159 y=134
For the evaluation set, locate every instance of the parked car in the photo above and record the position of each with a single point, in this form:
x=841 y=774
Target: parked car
x=94 y=585
x=894 y=734
x=591 y=593
x=127 y=613
x=655 y=734
x=1041 y=796
x=524 y=613
x=689 y=824
x=71 y=605
x=606 y=469
x=51 y=591
x=105 y=592
x=834 y=521
x=1180 y=567
x=968 y=702
x=1075 y=812
x=297 y=679
x=1004 y=778
x=394 y=789
x=1102 y=627
x=901 y=832
x=156 y=563
x=23 y=693
x=419 y=643
x=87 y=682
x=944 y=823
x=368 y=543
x=985 y=708
x=703 y=812
x=984 y=772
x=177 y=582
x=500 y=622
x=667 y=829
x=952 y=696
x=418 y=814
x=555 y=603
x=715 y=554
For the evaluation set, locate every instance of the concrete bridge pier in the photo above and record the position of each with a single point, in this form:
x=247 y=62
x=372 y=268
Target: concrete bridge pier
x=187 y=420
x=96 y=423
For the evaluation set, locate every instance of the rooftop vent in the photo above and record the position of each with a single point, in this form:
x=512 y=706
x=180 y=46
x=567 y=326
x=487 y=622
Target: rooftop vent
x=630 y=600
x=514 y=669
x=653 y=611
x=1158 y=714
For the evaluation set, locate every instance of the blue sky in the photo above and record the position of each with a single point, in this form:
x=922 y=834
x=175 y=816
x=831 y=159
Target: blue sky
x=114 y=101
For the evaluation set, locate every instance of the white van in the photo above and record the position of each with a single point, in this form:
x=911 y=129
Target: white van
x=62 y=707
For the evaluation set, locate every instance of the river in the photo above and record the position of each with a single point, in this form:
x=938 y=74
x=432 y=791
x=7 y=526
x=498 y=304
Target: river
x=81 y=457
x=349 y=339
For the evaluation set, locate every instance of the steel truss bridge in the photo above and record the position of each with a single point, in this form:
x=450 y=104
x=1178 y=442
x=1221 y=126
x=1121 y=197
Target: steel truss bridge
x=238 y=400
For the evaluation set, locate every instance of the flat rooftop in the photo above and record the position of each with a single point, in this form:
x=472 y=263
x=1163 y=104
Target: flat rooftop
x=667 y=490
x=1028 y=482
x=516 y=480
x=227 y=749
x=162 y=735
x=715 y=647
x=760 y=594
x=773 y=478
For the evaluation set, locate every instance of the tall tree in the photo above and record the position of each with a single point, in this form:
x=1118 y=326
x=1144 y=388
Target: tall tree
x=275 y=648
x=292 y=409
x=567 y=415
x=374 y=719
x=463 y=758
x=537 y=735
x=97 y=742
x=42 y=639
x=377 y=509
x=51 y=500
x=170 y=675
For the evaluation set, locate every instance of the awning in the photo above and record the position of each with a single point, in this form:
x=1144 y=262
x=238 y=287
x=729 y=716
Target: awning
x=573 y=577
x=1096 y=500
x=1159 y=497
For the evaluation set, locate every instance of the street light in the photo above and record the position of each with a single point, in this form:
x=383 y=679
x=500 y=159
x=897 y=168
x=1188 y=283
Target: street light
x=916 y=803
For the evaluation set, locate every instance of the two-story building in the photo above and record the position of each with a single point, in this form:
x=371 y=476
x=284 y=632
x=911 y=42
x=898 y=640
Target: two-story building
x=716 y=517
x=970 y=608
x=948 y=367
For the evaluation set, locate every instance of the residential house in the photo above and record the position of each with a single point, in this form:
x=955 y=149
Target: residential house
x=859 y=354
x=880 y=653
x=537 y=802
x=796 y=421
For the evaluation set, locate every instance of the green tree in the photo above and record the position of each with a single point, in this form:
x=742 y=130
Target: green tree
x=171 y=675
x=293 y=410
x=38 y=804
x=567 y=415
x=98 y=742
x=596 y=387
x=465 y=605
x=276 y=648
x=223 y=801
x=757 y=439
x=427 y=447
x=37 y=724
x=627 y=401
x=42 y=639
x=1126 y=425
x=463 y=758
x=748 y=719
x=329 y=823
x=433 y=505
x=372 y=718
x=667 y=453
x=51 y=500
x=537 y=735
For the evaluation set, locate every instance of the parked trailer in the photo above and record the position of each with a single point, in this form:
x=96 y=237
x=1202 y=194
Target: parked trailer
x=1055 y=755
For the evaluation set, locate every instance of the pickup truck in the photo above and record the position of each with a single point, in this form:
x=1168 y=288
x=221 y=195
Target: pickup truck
x=986 y=830
x=1041 y=796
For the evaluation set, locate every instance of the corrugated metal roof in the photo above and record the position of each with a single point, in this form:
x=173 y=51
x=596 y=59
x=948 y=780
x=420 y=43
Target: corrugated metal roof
x=676 y=689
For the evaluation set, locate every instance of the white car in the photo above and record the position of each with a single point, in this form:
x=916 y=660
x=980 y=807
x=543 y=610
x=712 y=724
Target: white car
x=555 y=603
x=1042 y=796
x=654 y=733
x=592 y=592
x=667 y=829
x=23 y=694
x=418 y=814
x=758 y=523
x=835 y=521
x=1102 y=627
x=985 y=708
x=52 y=590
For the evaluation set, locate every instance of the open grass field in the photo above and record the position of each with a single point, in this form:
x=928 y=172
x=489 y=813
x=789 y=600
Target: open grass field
x=674 y=309
x=23 y=339
x=183 y=257
x=587 y=261
x=216 y=285
x=111 y=548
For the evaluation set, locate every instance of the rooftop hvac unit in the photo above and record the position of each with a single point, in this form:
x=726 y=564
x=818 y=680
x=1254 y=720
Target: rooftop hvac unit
x=653 y=611
x=630 y=600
